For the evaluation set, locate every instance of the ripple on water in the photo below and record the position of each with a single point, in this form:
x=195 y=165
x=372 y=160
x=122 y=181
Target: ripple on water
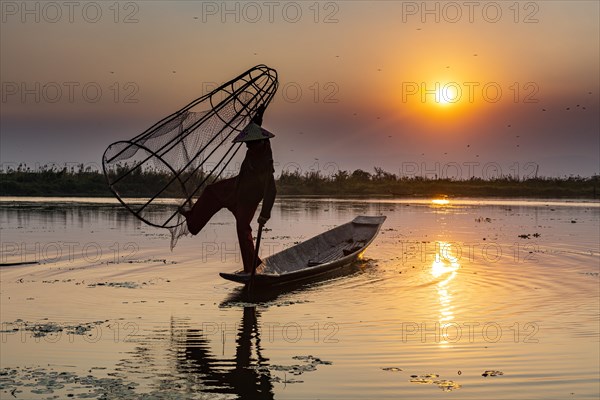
x=199 y=340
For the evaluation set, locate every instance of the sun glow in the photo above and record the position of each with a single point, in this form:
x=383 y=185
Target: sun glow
x=447 y=94
x=436 y=102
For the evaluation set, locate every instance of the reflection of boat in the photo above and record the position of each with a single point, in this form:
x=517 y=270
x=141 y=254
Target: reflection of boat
x=319 y=255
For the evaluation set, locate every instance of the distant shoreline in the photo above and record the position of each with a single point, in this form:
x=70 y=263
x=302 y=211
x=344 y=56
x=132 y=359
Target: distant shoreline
x=16 y=201
x=358 y=184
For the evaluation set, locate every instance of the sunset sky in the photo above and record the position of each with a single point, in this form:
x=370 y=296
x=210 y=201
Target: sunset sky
x=455 y=89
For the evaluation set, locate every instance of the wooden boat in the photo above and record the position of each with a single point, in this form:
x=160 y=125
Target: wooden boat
x=321 y=254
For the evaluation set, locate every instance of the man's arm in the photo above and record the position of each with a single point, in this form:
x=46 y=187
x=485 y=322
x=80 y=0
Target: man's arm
x=268 y=200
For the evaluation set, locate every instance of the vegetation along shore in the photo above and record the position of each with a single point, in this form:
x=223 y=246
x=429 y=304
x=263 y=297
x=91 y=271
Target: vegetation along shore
x=64 y=182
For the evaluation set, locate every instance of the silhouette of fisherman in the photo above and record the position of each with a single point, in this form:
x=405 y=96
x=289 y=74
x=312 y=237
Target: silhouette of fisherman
x=241 y=194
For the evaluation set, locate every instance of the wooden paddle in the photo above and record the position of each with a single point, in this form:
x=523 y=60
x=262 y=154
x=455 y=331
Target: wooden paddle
x=255 y=262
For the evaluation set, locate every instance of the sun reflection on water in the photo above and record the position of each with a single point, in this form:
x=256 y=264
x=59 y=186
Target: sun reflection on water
x=440 y=202
x=444 y=264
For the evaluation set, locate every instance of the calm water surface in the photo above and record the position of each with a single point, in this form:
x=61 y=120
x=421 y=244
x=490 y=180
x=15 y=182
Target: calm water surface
x=445 y=293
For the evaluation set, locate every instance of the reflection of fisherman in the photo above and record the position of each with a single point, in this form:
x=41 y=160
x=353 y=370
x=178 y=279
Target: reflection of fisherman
x=248 y=377
x=241 y=194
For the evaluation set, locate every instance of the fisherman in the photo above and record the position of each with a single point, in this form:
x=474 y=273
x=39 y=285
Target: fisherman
x=241 y=194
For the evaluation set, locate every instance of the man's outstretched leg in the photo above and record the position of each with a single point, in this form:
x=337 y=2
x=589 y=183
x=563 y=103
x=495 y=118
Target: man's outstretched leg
x=207 y=205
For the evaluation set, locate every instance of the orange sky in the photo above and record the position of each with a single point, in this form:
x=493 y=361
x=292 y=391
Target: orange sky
x=351 y=76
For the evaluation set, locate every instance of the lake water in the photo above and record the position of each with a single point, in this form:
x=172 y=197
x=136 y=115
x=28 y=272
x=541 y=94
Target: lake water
x=445 y=293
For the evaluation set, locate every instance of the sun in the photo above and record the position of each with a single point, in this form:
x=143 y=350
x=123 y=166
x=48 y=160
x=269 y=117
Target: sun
x=447 y=94
x=445 y=99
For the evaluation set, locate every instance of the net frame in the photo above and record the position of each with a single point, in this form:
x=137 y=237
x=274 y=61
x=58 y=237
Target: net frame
x=245 y=94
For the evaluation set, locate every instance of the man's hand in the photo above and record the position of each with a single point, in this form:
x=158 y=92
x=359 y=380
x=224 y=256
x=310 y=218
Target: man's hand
x=258 y=118
x=262 y=220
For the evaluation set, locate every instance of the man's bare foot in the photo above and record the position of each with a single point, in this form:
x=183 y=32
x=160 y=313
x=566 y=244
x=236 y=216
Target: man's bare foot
x=186 y=211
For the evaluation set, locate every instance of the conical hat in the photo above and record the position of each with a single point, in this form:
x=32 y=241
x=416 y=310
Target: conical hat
x=253 y=132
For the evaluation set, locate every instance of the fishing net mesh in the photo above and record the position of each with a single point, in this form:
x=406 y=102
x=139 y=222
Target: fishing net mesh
x=181 y=154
